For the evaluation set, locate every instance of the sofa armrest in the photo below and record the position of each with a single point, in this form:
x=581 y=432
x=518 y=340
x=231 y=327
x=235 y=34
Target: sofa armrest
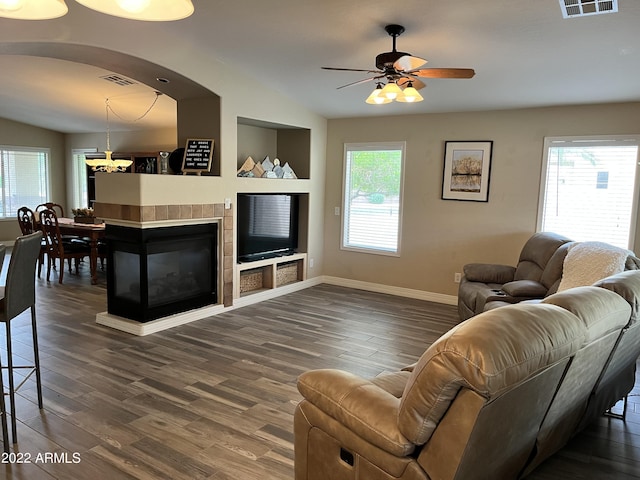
x=364 y=408
x=488 y=272
x=524 y=288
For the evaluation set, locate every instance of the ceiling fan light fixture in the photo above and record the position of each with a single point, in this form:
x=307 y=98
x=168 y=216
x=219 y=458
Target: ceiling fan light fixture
x=409 y=95
x=391 y=90
x=375 y=98
x=32 y=9
x=146 y=10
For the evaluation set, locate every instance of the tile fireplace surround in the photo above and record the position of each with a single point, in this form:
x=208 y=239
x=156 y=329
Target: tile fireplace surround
x=158 y=214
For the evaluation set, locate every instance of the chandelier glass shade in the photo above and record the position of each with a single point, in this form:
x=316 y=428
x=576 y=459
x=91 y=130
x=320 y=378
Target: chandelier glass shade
x=146 y=10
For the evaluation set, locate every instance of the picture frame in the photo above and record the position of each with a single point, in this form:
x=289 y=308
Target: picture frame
x=467 y=170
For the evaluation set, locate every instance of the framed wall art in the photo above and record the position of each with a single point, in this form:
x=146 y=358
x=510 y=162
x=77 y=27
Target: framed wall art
x=467 y=170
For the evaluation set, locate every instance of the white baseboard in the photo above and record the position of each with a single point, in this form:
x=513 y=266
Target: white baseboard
x=145 y=328
x=391 y=290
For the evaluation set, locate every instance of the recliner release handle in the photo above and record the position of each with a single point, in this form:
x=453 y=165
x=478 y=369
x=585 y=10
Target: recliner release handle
x=346 y=456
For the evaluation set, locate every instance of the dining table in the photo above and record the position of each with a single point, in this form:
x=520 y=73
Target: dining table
x=92 y=231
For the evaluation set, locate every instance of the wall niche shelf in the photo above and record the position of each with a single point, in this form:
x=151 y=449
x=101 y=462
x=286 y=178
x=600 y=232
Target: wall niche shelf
x=270 y=273
x=258 y=139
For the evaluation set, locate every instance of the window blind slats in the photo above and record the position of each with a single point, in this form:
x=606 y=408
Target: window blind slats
x=24 y=178
x=589 y=192
x=372 y=197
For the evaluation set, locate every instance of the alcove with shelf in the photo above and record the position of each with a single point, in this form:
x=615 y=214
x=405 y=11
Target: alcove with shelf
x=290 y=144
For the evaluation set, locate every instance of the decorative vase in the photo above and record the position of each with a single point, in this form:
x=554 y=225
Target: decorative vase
x=164 y=163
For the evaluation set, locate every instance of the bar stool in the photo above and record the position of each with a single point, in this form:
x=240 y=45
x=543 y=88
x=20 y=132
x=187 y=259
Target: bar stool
x=18 y=295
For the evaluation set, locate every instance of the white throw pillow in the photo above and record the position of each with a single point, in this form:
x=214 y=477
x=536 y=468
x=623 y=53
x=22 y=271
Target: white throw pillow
x=588 y=262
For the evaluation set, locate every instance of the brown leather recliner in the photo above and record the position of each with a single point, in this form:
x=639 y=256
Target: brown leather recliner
x=537 y=274
x=471 y=407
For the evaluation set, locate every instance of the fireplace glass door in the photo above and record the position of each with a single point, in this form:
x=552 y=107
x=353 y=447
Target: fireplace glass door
x=158 y=272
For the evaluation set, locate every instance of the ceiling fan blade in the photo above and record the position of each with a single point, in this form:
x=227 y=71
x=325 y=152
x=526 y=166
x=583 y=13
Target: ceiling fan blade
x=364 y=80
x=415 y=82
x=444 y=73
x=408 y=63
x=350 y=69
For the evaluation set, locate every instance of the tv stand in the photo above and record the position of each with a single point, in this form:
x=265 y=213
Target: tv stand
x=269 y=273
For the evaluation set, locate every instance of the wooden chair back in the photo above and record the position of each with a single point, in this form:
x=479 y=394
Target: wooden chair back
x=26 y=220
x=56 y=207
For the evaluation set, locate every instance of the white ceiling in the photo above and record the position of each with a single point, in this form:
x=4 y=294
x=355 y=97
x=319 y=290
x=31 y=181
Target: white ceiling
x=524 y=54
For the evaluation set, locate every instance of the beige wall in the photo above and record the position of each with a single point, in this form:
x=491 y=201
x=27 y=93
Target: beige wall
x=20 y=134
x=440 y=236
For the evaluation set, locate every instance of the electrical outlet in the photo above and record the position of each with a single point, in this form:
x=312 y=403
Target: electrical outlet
x=457 y=277
x=311 y=262
x=336 y=211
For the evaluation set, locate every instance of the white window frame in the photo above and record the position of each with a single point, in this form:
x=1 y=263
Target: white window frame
x=371 y=146
x=79 y=194
x=44 y=196
x=592 y=140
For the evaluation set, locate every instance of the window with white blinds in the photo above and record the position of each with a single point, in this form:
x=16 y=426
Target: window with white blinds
x=589 y=188
x=80 y=195
x=24 y=178
x=372 y=197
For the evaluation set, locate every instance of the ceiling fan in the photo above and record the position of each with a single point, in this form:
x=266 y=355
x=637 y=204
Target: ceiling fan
x=401 y=70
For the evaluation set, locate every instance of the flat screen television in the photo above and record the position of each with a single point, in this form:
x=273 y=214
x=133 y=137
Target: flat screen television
x=267 y=225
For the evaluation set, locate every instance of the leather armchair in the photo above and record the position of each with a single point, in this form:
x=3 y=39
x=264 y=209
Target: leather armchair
x=537 y=274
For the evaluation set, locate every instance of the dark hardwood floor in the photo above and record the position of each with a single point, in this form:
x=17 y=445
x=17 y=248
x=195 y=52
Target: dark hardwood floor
x=214 y=399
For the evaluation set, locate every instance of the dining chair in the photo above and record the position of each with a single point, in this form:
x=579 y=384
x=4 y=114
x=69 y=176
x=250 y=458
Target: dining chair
x=59 y=209
x=56 y=207
x=58 y=247
x=17 y=295
x=29 y=224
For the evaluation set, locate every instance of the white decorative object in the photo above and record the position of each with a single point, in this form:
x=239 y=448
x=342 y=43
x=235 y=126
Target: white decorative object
x=588 y=262
x=288 y=171
x=266 y=164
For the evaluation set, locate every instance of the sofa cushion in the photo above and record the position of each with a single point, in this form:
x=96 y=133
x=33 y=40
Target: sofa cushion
x=602 y=311
x=489 y=353
x=627 y=285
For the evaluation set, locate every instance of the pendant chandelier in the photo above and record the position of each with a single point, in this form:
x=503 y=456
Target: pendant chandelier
x=146 y=10
x=107 y=164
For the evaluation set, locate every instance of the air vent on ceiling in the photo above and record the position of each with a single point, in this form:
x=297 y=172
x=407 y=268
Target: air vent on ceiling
x=582 y=8
x=118 y=80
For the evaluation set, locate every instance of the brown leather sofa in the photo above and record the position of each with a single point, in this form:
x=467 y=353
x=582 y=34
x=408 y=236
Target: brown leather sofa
x=492 y=398
x=536 y=275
